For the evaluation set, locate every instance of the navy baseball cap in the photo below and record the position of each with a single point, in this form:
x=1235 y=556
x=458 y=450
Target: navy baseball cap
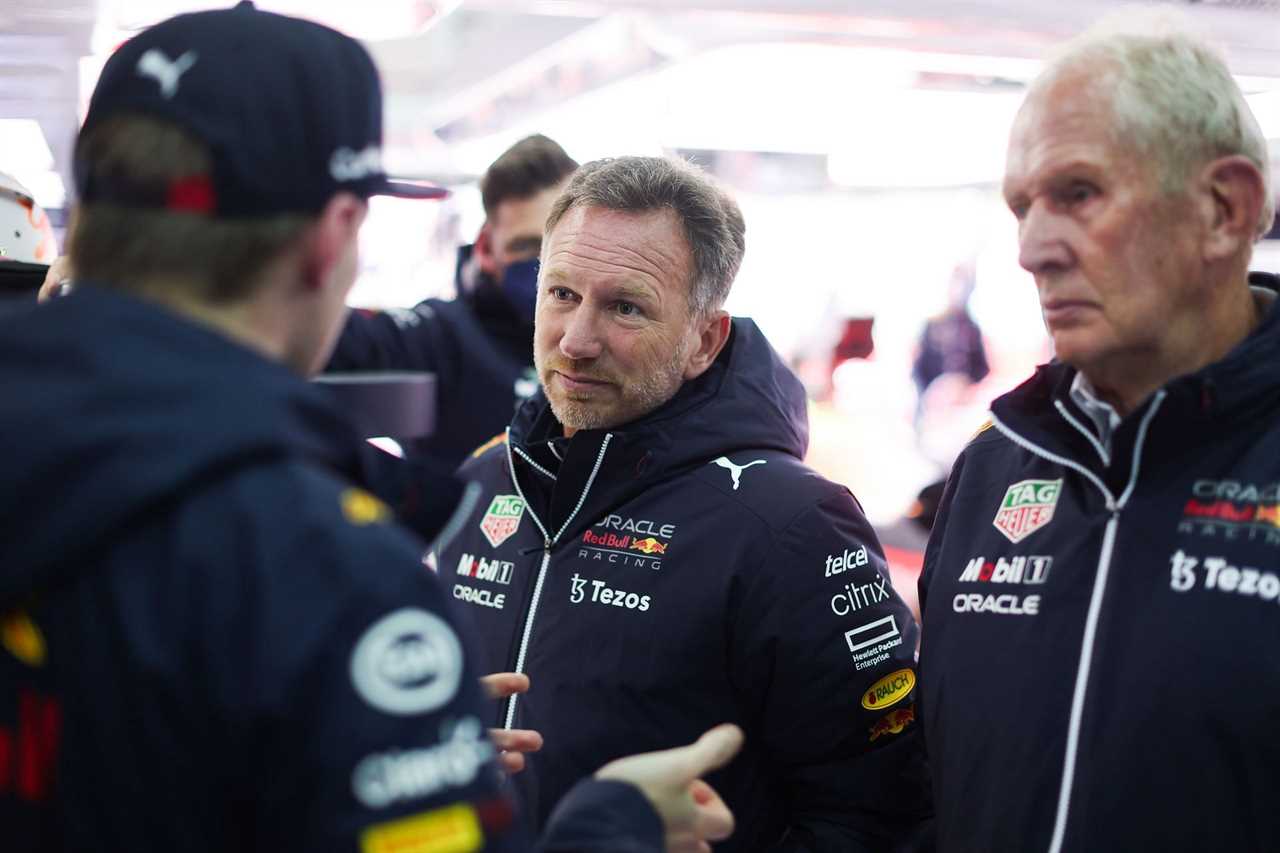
x=290 y=110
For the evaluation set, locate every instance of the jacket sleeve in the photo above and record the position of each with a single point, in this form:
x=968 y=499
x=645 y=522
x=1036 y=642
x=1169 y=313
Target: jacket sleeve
x=423 y=493
x=396 y=339
x=350 y=689
x=603 y=816
x=826 y=661
x=939 y=530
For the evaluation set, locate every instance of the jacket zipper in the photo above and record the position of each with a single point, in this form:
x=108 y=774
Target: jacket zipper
x=1093 y=439
x=1114 y=507
x=548 y=542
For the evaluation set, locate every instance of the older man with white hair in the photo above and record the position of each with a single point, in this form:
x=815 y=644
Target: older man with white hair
x=1103 y=584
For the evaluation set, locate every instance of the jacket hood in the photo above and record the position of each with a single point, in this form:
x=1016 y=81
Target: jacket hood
x=747 y=400
x=102 y=392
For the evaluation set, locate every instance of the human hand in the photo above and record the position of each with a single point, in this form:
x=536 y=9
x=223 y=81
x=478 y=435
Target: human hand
x=59 y=272
x=692 y=812
x=511 y=743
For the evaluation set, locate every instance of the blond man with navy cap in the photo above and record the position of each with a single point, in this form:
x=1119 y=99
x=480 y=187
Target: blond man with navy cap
x=212 y=637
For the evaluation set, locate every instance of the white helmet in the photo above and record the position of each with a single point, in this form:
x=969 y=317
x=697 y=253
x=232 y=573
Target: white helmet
x=25 y=232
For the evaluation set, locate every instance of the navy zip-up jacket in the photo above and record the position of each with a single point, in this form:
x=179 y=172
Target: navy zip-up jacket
x=1098 y=669
x=687 y=569
x=212 y=639
x=477 y=346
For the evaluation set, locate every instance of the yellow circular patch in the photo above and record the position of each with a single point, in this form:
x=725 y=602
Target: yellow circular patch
x=22 y=638
x=362 y=508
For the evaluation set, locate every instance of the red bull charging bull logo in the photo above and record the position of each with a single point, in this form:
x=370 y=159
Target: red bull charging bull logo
x=893 y=722
x=649 y=546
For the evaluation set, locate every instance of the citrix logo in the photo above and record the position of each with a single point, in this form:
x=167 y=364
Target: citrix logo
x=579 y=587
x=854 y=597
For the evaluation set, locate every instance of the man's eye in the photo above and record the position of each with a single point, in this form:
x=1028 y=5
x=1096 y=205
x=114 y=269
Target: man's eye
x=628 y=309
x=561 y=293
x=1078 y=192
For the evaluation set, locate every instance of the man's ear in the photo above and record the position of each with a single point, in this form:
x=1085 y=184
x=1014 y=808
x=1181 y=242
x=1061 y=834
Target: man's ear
x=1233 y=194
x=713 y=334
x=483 y=251
x=330 y=237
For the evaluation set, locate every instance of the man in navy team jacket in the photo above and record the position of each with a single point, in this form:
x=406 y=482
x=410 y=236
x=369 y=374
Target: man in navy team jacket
x=212 y=637
x=650 y=548
x=1100 y=594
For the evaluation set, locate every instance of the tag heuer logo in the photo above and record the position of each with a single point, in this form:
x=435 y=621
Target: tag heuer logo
x=502 y=518
x=1027 y=506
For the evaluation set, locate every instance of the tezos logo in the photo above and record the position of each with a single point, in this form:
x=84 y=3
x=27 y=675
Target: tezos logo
x=601 y=593
x=408 y=662
x=1222 y=576
x=1027 y=506
x=502 y=519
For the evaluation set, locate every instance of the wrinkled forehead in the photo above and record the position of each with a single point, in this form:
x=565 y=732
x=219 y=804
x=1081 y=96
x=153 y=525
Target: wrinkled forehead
x=1067 y=118
x=650 y=242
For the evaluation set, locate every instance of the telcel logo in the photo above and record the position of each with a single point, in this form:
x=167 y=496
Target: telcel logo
x=837 y=565
x=890 y=690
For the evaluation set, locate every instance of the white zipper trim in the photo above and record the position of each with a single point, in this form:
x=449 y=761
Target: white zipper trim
x=1137 y=447
x=534 y=465
x=528 y=631
x=1087 y=433
x=1080 y=690
x=1082 y=682
x=547 y=542
x=1055 y=458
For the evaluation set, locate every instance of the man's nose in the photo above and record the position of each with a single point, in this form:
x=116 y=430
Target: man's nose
x=1042 y=242
x=581 y=338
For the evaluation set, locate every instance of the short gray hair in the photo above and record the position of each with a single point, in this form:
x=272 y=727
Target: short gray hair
x=712 y=222
x=1171 y=94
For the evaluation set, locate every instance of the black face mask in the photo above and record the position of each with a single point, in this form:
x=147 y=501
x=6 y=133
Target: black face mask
x=520 y=286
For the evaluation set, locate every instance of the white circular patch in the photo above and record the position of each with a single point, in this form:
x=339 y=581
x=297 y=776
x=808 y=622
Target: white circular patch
x=408 y=662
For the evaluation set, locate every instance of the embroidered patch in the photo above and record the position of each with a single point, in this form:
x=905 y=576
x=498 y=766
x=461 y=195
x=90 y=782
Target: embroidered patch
x=1027 y=506
x=502 y=519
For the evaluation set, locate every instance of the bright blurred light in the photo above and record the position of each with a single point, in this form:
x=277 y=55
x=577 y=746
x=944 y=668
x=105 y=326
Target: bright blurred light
x=28 y=158
x=46 y=187
x=1266 y=109
x=372 y=21
x=925 y=139
x=25 y=148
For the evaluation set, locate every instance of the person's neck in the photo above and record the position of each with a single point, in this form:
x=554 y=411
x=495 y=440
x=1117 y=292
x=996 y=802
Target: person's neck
x=1127 y=382
x=242 y=321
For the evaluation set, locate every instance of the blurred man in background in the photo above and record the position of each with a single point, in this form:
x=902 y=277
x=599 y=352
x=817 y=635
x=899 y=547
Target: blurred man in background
x=479 y=345
x=951 y=342
x=650 y=548
x=211 y=637
x=1100 y=592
